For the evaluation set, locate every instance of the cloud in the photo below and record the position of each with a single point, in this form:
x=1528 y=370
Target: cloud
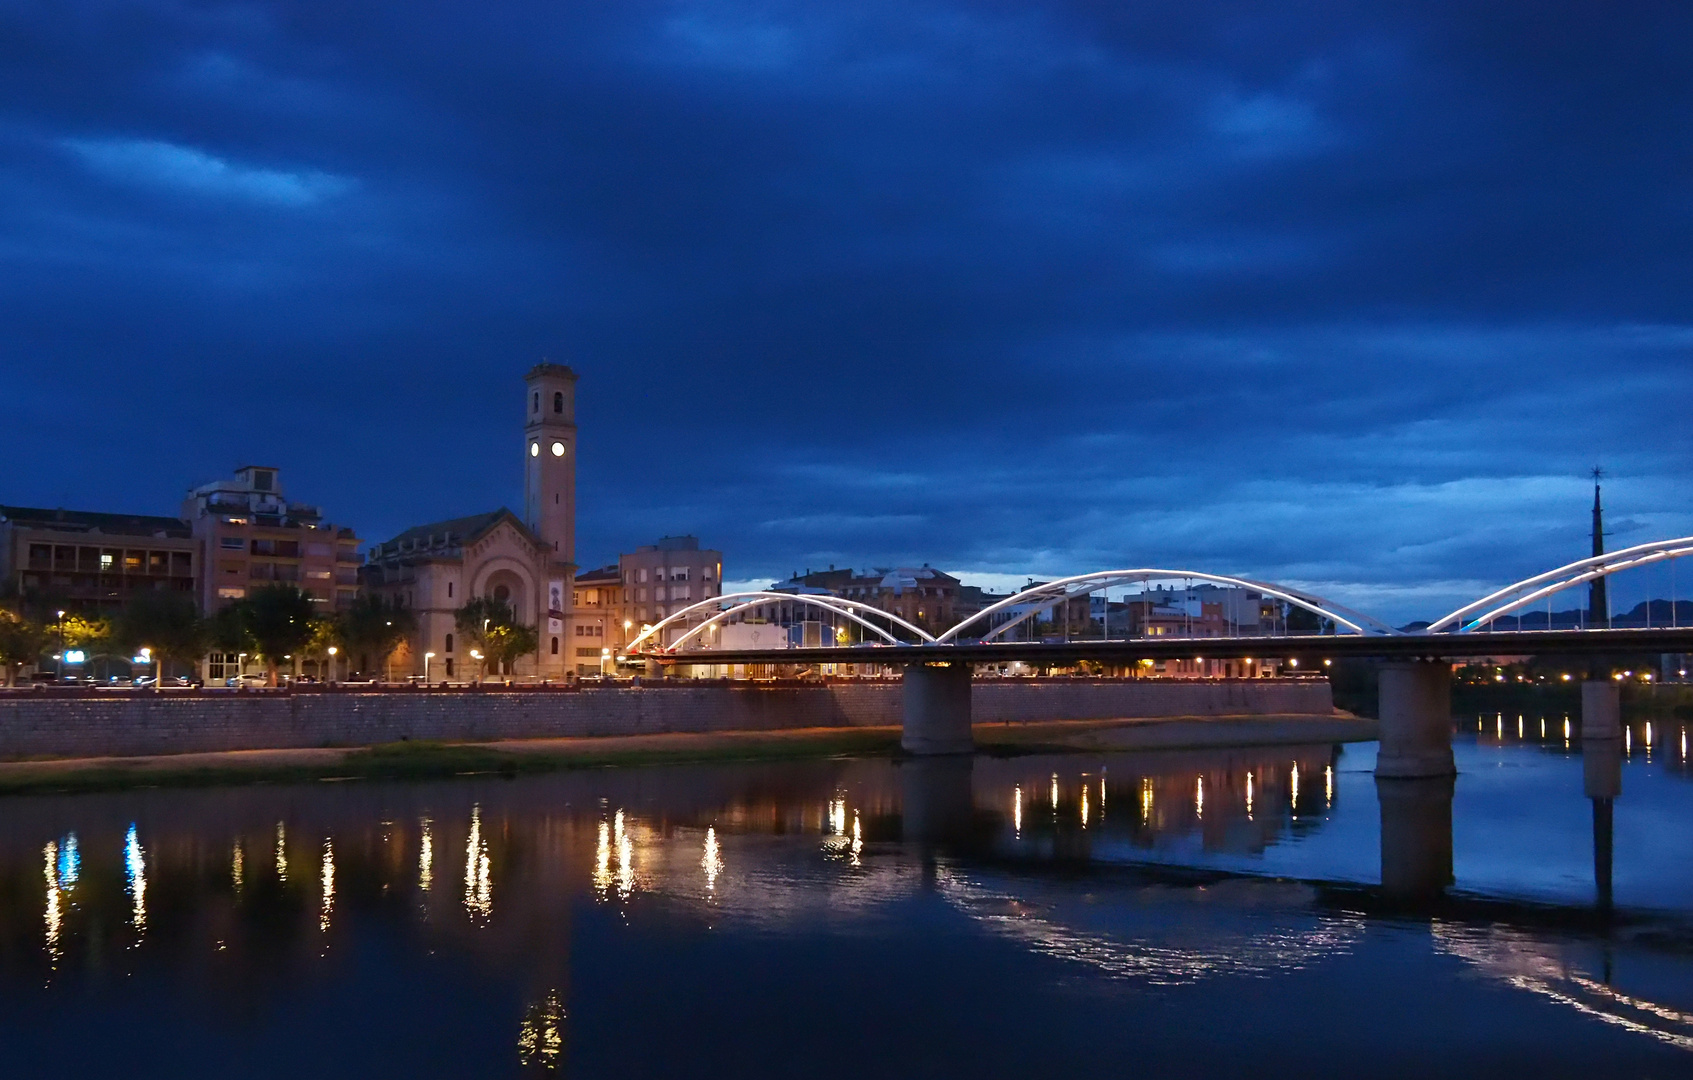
x=168 y=166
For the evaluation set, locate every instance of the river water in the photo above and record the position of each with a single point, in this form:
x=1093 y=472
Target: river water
x=1218 y=913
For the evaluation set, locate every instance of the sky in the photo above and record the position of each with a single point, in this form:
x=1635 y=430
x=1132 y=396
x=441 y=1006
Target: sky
x=1344 y=295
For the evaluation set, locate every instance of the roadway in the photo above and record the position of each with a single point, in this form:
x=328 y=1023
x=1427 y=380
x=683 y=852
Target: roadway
x=1308 y=649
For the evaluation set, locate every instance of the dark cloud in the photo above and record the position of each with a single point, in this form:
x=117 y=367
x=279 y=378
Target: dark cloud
x=1346 y=294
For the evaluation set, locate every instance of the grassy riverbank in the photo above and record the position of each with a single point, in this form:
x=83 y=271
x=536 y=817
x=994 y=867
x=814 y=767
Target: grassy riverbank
x=433 y=760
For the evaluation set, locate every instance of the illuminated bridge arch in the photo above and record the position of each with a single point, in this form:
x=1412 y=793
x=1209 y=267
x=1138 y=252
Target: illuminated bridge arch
x=1048 y=596
x=1513 y=598
x=742 y=601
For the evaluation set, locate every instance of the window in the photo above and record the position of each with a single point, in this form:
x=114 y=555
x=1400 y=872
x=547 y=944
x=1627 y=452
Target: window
x=232 y=543
x=231 y=592
x=587 y=654
x=449 y=590
x=658 y=593
x=107 y=558
x=535 y=402
x=555 y=646
x=317 y=575
x=449 y=667
x=263 y=480
x=680 y=574
x=640 y=594
x=641 y=575
x=558 y=402
x=502 y=594
x=681 y=592
x=449 y=646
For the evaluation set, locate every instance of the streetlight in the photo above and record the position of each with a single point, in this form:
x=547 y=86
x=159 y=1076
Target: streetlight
x=428 y=656
x=476 y=655
x=605 y=654
x=332 y=651
x=145 y=656
x=61 y=657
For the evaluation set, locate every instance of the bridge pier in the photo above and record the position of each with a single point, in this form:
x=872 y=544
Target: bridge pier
x=1416 y=720
x=937 y=709
x=1601 y=709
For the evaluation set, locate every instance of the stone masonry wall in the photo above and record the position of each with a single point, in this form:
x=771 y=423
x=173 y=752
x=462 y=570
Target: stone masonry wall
x=129 y=724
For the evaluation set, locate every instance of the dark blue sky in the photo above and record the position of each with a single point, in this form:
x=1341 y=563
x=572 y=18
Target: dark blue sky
x=1339 y=294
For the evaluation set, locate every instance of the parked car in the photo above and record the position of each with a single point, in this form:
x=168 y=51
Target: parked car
x=174 y=680
x=246 y=681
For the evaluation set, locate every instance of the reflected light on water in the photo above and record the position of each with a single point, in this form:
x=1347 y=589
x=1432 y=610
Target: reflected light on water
x=1566 y=733
x=478 y=884
x=54 y=918
x=1017 y=809
x=1519 y=727
x=713 y=860
x=1328 y=785
x=838 y=816
x=426 y=857
x=135 y=878
x=328 y=905
x=540 y=1038
x=237 y=866
x=70 y=862
x=1145 y=799
x=602 y=861
x=1199 y=798
x=1542 y=727
x=857 y=840
x=1293 y=788
x=625 y=857
x=1248 y=796
x=1628 y=740
x=1084 y=807
x=281 y=853
x=1055 y=792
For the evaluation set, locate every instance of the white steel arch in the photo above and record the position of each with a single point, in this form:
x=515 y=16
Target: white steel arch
x=836 y=604
x=1053 y=593
x=1521 y=594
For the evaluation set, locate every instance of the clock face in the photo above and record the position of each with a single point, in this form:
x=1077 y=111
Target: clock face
x=558 y=449
x=534 y=449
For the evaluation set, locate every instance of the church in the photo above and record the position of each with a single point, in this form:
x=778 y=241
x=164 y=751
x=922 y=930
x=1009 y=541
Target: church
x=526 y=562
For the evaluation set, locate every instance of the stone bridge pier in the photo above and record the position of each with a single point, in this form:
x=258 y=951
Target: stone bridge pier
x=1415 y=707
x=937 y=709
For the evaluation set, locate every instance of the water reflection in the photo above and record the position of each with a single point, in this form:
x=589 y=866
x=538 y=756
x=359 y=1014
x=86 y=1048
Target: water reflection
x=478 y=877
x=1155 y=896
x=135 y=878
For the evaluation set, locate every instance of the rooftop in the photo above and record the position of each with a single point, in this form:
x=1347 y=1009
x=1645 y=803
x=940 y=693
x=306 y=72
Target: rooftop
x=86 y=521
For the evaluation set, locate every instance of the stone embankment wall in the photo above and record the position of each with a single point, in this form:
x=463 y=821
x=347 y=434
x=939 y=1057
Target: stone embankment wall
x=98 y=725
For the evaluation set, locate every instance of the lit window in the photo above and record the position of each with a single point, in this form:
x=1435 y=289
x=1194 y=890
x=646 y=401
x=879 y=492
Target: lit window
x=231 y=593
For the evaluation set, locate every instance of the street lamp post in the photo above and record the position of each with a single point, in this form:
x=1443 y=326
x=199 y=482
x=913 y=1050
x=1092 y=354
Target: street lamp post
x=428 y=656
x=605 y=654
x=332 y=651
x=61 y=657
x=476 y=655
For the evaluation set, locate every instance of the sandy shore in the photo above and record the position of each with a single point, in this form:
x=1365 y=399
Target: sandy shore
x=405 y=760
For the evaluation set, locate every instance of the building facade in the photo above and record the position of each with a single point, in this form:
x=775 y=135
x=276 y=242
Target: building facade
x=526 y=563
x=91 y=563
x=250 y=535
x=614 y=603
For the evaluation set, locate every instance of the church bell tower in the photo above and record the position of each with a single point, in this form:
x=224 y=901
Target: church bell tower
x=549 y=458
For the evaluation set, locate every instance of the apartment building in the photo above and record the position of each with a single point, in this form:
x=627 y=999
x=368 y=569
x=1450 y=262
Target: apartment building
x=613 y=603
x=91 y=563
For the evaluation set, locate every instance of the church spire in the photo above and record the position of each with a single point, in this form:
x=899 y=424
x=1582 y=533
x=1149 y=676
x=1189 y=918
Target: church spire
x=1598 y=605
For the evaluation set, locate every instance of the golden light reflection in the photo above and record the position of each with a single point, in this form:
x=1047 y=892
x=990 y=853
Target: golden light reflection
x=478 y=883
x=328 y=905
x=1648 y=733
x=50 y=860
x=135 y=878
x=1499 y=726
x=602 y=861
x=1017 y=809
x=1145 y=799
x=625 y=865
x=1084 y=807
x=1328 y=784
x=1628 y=740
x=1542 y=727
x=1519 y=727
x=1293 y=787
x=1055 y=791
x=713 y=860
x=237 y=866
x=540 y=1038
x=1566 y=733
x=857 y=840
x=1199 y=798
x=1102 y=797
x=281 y=853
x=838 y=816
x=426 y=857
x=1249 y=796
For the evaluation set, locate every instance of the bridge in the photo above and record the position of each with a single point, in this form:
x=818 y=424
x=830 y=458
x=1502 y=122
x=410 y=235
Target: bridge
x=1415 y=678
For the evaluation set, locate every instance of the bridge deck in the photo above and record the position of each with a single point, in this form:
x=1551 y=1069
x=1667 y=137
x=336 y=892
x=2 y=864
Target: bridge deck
x=1305 y=649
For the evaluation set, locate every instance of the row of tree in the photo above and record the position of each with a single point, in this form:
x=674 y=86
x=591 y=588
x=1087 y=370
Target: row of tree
x=273 y=624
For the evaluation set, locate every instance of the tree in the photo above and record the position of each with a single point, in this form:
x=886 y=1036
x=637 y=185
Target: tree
x=326 y=635
x=491 y=625
x=20 y=643
x=164 y=621
x=226 y=630
x=375 y=627
x=279 y=618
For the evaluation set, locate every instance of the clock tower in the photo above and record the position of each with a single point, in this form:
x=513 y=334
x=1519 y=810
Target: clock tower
x=549 y=459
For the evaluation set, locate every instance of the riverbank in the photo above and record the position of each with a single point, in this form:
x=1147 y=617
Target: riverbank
x=514 y=757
